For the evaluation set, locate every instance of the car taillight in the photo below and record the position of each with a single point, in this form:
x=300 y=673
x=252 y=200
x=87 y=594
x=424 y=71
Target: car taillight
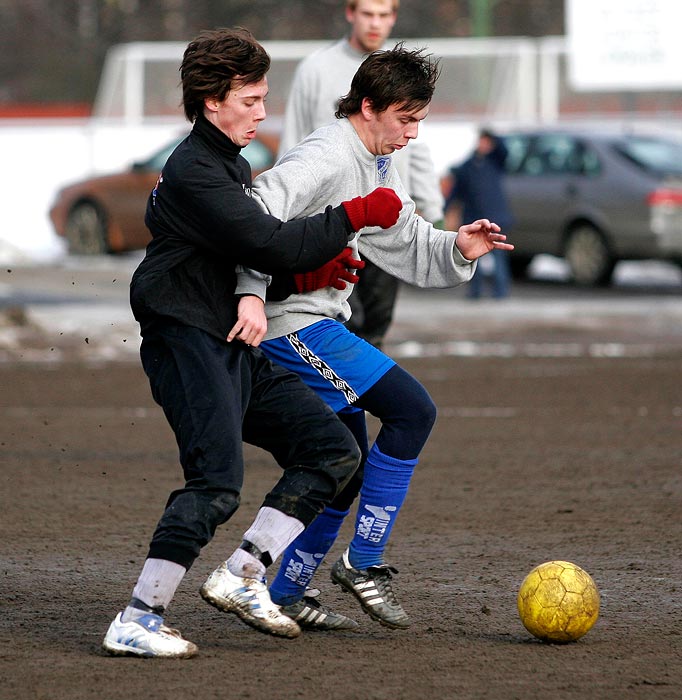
x=665 y=196
x=665 y=213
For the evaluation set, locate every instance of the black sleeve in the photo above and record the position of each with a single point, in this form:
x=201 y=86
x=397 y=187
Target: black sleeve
x=203 y=200
x=214 y=212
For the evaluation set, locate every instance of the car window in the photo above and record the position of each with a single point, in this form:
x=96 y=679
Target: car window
x=657 y=155
x=256 y=152
x=258 y=155
x=554 y=154
x=158 y=160
x=591 y=165
x=517 y=148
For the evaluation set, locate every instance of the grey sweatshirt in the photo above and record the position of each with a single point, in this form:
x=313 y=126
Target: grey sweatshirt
x=320 y=80
x=332 y=165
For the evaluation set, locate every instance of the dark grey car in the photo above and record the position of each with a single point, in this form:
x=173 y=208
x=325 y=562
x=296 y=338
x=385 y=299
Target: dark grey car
x=594 y=199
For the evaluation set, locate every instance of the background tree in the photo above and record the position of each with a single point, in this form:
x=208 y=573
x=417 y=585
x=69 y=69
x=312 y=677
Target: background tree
x=53 y=52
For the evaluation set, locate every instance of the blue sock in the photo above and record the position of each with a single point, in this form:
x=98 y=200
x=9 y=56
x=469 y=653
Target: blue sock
x=304 y=555
x=384 y=487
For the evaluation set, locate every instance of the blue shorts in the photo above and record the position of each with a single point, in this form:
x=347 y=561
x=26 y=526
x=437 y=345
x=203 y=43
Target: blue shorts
x=330 y=359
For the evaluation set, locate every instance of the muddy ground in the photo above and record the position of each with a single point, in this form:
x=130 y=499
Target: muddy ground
x=532 y=459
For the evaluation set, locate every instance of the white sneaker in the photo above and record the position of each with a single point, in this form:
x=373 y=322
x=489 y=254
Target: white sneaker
x=146 y=636
x=249 y=599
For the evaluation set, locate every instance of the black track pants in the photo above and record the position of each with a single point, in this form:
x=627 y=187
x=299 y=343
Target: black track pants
x=217 y=395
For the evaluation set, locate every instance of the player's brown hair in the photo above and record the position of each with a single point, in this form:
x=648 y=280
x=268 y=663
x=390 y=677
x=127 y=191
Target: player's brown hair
x=216 y=61
x=394 y=77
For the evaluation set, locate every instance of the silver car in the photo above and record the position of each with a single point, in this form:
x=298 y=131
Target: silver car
x=594 y=199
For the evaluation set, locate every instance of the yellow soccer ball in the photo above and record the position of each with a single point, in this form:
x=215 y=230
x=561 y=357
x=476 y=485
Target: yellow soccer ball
x=558 y=602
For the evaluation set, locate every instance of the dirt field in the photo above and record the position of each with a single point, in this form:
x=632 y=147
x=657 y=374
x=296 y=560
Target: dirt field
x=530 y=460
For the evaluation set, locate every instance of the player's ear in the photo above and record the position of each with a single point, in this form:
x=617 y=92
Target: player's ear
x=367 y=108
x=212 y=103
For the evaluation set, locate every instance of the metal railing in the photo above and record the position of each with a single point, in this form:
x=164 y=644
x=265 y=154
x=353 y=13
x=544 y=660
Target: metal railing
x=492 y=80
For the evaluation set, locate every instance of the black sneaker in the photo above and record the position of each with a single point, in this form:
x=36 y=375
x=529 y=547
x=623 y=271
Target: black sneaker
x=372 y=587
x=312 y=615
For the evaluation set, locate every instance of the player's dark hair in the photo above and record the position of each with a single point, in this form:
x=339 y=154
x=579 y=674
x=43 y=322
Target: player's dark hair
x=216 y=61
x=394 y=77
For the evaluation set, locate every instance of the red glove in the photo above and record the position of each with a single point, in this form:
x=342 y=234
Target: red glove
x=331 y=274
x=378 y=208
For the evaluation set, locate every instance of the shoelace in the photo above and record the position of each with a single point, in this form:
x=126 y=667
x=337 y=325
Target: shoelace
x=382 y=576
x=169 y=630
x=310 y=599
x=312 y=603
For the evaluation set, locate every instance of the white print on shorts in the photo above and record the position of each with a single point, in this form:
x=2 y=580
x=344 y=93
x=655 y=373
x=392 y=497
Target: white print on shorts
x=322 y=367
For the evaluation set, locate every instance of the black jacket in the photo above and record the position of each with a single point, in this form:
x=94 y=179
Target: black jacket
x=203 y=223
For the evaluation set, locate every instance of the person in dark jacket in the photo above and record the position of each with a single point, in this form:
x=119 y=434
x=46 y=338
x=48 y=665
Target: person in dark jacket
x=478 y=192
x=199 y=352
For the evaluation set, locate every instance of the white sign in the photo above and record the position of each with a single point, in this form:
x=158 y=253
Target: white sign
x=624 y=44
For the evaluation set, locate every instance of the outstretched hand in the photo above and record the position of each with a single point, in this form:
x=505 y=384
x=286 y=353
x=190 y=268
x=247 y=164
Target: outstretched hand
x=480 y=237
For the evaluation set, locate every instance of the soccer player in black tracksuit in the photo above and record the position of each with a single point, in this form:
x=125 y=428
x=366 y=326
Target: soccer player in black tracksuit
x=215 y=387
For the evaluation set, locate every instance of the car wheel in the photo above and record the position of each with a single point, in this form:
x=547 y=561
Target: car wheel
x=86 y=230
x=588 y=256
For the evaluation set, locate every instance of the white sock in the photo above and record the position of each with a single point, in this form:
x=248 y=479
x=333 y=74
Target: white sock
x=243 y=564
x=156 y=585
x=272 y=531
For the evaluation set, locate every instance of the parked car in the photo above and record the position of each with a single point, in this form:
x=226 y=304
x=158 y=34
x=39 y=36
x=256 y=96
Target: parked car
x=594 y=199
x=105 y=214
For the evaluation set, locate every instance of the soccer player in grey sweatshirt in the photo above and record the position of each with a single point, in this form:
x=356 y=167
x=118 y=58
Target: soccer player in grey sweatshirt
x=389 y=96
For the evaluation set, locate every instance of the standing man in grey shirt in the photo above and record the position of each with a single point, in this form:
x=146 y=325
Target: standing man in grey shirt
x=320 y=81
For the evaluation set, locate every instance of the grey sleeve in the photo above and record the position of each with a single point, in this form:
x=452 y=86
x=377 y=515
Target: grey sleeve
x=251 y=282
x=424 y=185
x=298 y=121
